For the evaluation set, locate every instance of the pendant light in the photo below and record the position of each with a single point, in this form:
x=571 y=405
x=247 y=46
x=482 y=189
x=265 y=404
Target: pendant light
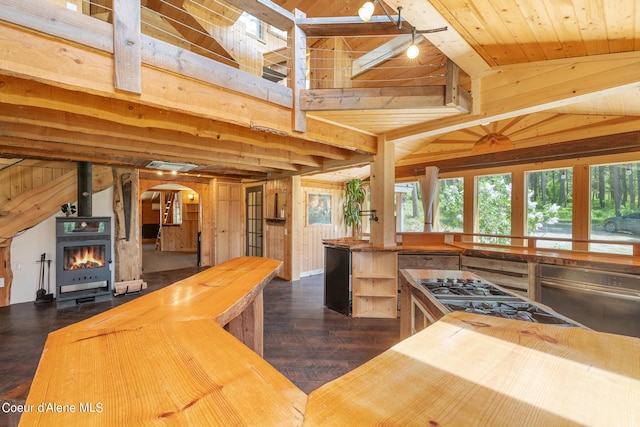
x=366 y=12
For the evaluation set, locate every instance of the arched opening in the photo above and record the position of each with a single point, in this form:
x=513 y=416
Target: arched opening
x=170 y=215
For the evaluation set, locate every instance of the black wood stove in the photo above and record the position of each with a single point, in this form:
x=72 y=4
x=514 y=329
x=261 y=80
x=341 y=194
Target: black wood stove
x=83 y=260
x=83 y=250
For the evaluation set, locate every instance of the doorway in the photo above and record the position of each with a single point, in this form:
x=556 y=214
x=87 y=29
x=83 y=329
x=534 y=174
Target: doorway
x=170 y=218
x=253 y=199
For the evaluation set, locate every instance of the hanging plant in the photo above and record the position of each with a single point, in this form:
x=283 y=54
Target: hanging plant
x=354 y=196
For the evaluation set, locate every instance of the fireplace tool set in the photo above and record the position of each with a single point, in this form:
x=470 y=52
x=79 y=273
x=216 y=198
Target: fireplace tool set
x=43 y=296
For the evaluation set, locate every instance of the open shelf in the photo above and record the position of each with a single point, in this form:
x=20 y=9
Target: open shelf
x=375 y=284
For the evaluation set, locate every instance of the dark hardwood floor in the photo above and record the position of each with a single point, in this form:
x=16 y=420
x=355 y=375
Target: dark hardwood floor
x=308 y=343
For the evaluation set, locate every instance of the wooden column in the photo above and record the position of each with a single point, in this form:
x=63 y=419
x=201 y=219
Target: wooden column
x=519 y=209
x=298 y=67
x=581 y=191
x=127 y=248
x=470 y=205
x=383 y=179
x=295 y=225
x=127 y=46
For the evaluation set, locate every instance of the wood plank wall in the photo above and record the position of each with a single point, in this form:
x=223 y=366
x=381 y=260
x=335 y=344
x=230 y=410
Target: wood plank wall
x=312 y=254
x=27 y=175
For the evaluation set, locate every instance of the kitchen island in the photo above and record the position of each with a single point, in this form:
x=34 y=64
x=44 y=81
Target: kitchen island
x=429 y=295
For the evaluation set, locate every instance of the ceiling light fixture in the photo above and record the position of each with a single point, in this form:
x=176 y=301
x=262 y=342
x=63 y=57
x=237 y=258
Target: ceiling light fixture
x=366 y=12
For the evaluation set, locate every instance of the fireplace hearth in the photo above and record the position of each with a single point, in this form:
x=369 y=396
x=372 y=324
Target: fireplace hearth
x=83 y=260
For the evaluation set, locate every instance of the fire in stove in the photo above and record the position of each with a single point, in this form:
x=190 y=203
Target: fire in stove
x=84 y=257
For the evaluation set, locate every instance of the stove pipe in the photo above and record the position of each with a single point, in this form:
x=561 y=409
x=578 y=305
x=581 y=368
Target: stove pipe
x=84 y=189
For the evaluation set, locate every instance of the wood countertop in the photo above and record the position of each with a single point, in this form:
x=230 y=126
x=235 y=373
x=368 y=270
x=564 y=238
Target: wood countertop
x=601 y=261
x=474 y=370
x=165 y=359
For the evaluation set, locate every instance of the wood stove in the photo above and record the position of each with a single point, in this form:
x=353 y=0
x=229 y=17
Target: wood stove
x=83 y=260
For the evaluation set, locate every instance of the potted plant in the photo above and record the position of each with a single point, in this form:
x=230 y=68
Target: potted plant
x=354 y=195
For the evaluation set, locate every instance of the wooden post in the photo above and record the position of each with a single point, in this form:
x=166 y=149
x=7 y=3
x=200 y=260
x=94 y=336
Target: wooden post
x=383 y=231
x=127 y=46
x=298 y=70
x=518 y=206
x=128 y=265
x=581 y=193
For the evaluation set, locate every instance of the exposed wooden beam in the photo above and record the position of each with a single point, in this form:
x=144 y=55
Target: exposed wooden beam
x=373 y=98
x=23 y=93
x=180 y=142
x=452 y=44
x=266 y=11
x=528 y=88
x=61 y=144
x=348 y=26
x=589 y=147
x=383 y=53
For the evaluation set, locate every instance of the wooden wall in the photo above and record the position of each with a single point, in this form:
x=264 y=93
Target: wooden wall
x=26 y=175
x=312 y=255
x=183 y=237
x=204 y=190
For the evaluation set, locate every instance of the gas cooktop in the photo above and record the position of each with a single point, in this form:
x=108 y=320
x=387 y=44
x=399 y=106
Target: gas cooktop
x=468 y=287
x=518 y=310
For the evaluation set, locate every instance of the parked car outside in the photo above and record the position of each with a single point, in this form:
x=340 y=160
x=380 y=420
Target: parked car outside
x=630 y=223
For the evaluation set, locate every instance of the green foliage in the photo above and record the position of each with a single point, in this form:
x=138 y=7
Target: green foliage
x=451 y=202
x=494 y=207
x=354 y=196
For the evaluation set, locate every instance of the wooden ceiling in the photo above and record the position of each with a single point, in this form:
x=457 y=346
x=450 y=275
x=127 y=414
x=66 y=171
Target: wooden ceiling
x=540 y=72
x=486 y=37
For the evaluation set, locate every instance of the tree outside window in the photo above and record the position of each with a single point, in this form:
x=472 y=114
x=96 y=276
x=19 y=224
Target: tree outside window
x=493 y=199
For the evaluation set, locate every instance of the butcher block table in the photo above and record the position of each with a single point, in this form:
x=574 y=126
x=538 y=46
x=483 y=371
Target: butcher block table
x=474 y=370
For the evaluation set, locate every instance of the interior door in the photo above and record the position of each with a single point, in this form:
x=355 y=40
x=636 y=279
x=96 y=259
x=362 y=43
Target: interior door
x=228 y=222
x=253 y=203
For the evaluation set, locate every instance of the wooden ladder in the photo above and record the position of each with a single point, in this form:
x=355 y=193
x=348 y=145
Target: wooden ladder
x=167 y=208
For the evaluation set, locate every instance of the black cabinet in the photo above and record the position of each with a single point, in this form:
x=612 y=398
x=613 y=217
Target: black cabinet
x=337 y=281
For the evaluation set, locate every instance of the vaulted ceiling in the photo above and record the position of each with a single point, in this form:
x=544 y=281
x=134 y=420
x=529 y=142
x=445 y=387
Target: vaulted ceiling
x=539 y=72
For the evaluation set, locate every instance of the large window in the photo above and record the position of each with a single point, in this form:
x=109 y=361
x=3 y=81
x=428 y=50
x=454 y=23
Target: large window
x=493 y=200
x=615 y=206
x=451 y=205
x=549 y=206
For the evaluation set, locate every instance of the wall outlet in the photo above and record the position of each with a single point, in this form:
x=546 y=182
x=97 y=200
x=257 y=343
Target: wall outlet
x=1 y=282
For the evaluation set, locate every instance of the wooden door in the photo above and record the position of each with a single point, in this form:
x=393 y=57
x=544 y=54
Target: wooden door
x=229 y=221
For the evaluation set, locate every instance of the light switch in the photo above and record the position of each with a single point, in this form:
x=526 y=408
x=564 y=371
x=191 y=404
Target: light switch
x=1 y=282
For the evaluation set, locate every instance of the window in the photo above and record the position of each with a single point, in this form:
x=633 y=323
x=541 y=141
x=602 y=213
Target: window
x=411 y=210
x=493 y=201
x=549 y=206
x=254 y=26
x=615 y=206
x=451 y=205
